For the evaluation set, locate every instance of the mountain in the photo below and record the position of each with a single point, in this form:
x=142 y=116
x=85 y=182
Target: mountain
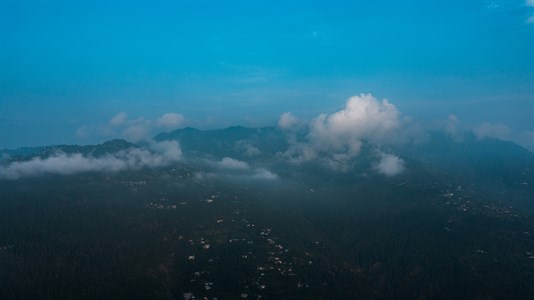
x=497 y=168
x=456 y=223
x=99 y=150
x=236 y=141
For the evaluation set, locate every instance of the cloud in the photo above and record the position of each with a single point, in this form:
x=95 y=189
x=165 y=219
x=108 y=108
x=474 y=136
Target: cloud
x=452 y=128
x=234 y=169
x=119 y=119
x=170 y=150
x=156 y=155
x=247 y=148
x=526 y=139
x=495 y=131
x=264 y=174
x=136 y=132
x=529 y=3
x=170 y=120
x=132 y=130
x=363 y=118
x=390 y=165
x=336 y=138
x=530 y=20
x=287 y=121
x=233 y=164
x=300 y=152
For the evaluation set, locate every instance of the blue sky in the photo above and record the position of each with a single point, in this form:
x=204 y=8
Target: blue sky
x=66 y=69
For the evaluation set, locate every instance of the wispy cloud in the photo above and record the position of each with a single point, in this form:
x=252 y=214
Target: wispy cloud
x=119 y=119
x=488 y=130
x=453 y=128
x=248 y=148
x=132 y=130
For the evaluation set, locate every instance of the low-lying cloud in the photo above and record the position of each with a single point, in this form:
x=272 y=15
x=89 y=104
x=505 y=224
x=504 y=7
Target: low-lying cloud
x=390 y=165
x=232 y=168
x=247 y=148
x=495 y=131
x=265 y=174
x=229 y=163
x=155 y=155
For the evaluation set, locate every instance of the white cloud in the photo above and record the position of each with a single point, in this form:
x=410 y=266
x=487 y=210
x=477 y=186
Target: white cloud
x=530 y=20
x=337 y=137
x=364 y=117
x=233 y=164
x=287 y=121
x=390 y=165
x=170 y=120
x=495 y=131
x=529 y=3
x=158 y=155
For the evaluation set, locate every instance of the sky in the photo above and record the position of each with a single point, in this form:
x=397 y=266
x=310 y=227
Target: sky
x=82 y=72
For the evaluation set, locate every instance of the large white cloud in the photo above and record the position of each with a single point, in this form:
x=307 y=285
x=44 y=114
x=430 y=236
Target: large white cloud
x=336 y=138
x=363 y=118
x=155 y=155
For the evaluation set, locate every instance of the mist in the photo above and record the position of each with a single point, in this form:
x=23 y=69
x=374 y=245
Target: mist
x=157 y=154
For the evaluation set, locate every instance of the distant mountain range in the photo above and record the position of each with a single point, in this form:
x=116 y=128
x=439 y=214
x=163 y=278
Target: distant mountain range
x=499 y=168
